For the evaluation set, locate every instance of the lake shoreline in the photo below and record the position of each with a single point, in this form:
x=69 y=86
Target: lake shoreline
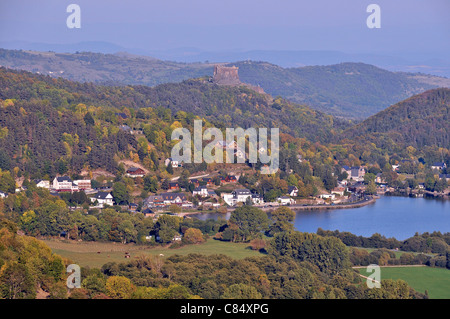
x=297 y=207
x=391 y=216
x=337 y=206
x=372 y=200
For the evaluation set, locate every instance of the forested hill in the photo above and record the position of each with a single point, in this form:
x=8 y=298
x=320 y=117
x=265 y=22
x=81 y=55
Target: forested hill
x=422 y=120
x=242 y=107
x=225 y=106
x=350 y=90
x=49 y=124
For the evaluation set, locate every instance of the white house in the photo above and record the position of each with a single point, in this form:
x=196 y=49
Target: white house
x=228 y=198
x=201 y=191
x=3 y=195
x=64 y=184
x=241 y=196
x=103 y=198
x=339 y=190
x=174 y=198
x=285 y=200
x=176 y=164
x=379 y=179
x=357 y=173
x=257 y=199
x=438 y=165
x=165 y=199
x=42 y=183
x=173 y=162
x=326 y=196
x=236 y=196
x=293 y=191
x=83 y=184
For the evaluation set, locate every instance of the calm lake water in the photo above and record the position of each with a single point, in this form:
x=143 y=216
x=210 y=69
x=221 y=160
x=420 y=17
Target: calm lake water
x=391 y=216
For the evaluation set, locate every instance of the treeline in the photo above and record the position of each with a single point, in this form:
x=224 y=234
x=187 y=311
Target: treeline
x=435 y=242
x=386 y=257
x=431 y=249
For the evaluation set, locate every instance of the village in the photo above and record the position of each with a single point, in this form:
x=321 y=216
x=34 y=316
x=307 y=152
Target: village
x=223 y=193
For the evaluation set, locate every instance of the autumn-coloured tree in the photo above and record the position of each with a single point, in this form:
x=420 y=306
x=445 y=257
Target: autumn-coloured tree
x=27 y=264
x=193 y=236
x=119 y=287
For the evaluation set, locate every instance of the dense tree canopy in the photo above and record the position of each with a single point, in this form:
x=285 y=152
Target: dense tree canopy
x=250 y=222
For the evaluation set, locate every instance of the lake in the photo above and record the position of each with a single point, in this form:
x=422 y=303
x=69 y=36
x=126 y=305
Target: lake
x=391 y=216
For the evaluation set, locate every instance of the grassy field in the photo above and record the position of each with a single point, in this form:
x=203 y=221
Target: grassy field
x=97 y=254
x=435 y=280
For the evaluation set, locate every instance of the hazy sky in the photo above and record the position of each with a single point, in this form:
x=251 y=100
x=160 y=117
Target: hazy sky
x=234 y=24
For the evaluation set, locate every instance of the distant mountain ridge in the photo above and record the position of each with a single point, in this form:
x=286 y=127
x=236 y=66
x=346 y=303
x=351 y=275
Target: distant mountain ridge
x=435 y=63
x=348 y=90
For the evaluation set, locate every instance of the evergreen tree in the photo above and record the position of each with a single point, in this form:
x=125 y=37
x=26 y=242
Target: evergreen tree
x=89 y=119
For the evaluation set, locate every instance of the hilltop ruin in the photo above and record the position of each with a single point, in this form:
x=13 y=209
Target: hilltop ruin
x=226 y=75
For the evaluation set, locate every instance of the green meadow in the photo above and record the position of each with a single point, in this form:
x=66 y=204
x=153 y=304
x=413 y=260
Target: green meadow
x=434 y=280
x=96 y=255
